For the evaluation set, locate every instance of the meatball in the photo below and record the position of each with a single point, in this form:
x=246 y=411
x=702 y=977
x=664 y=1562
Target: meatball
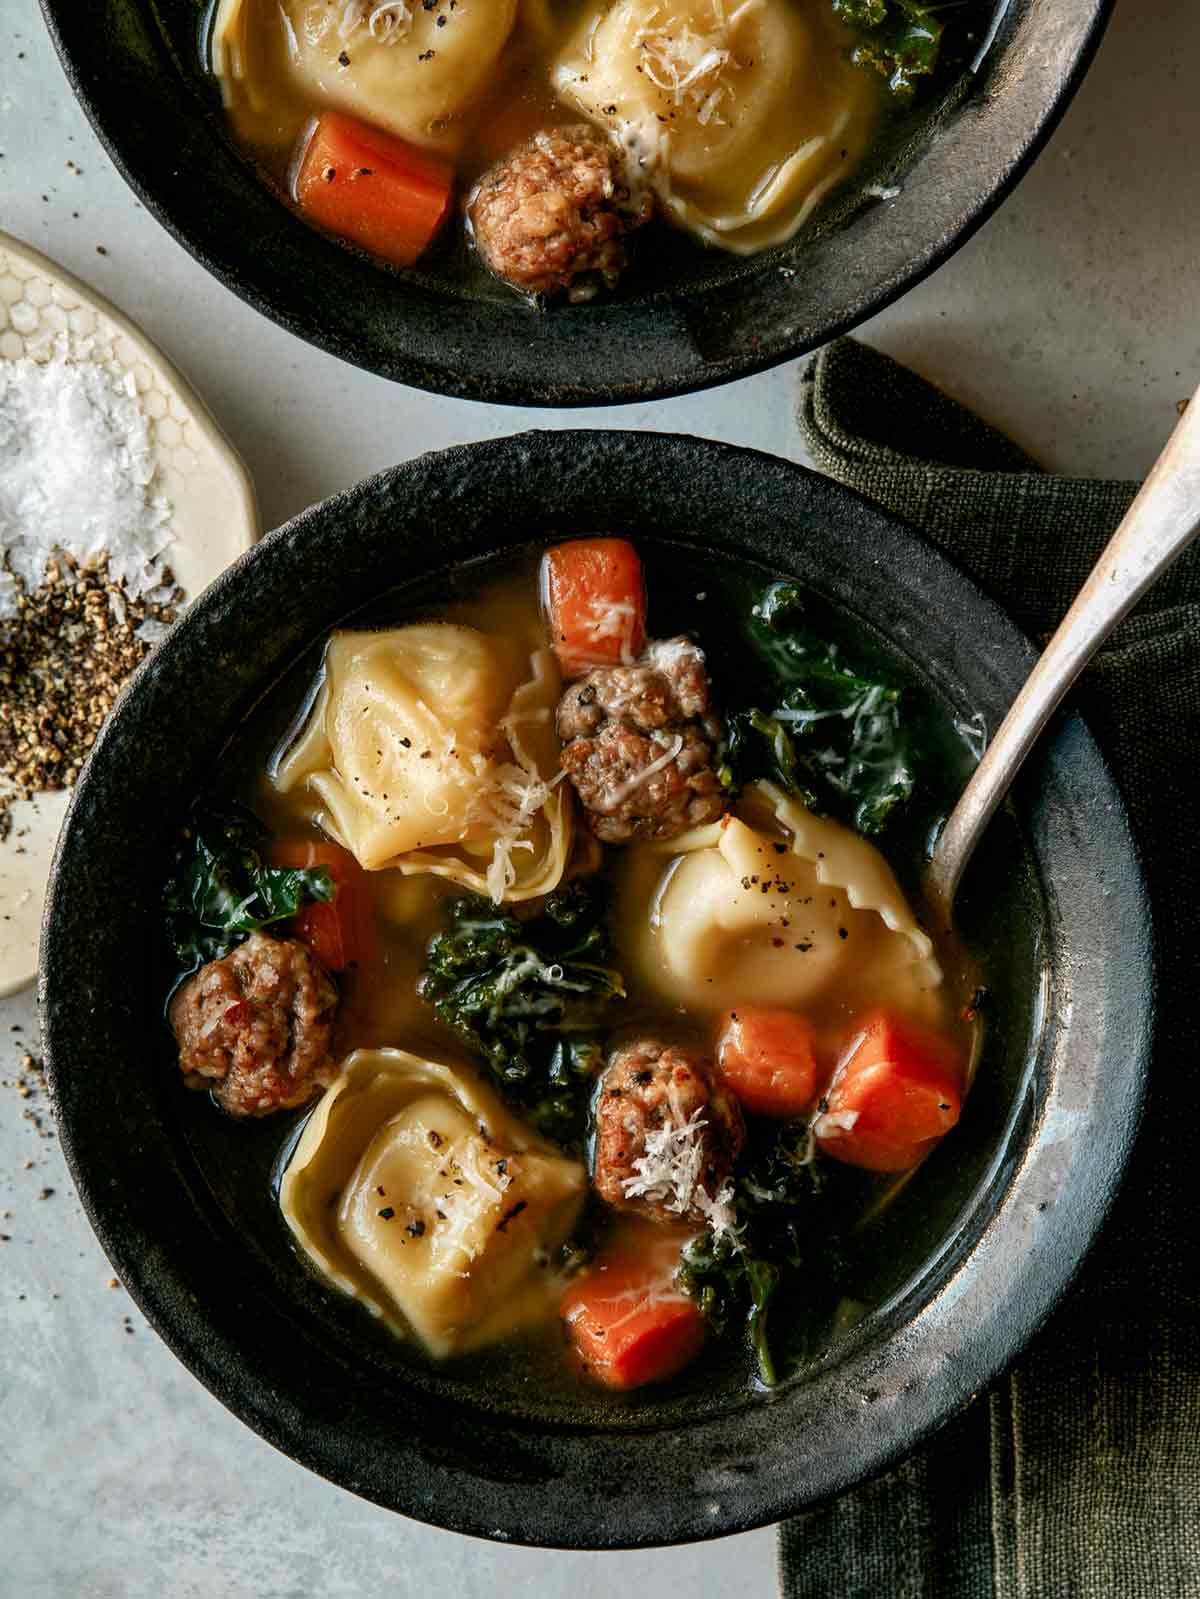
x=669 y=685
x=640 y=743
x=258 y=1023
x=609 y=773
x=667 y=1134
x=553 y=215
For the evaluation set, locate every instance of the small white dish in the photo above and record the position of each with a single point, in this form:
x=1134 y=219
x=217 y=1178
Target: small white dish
x=214 y=518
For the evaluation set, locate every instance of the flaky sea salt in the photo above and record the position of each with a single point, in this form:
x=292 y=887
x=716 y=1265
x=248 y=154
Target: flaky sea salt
x=77 y=473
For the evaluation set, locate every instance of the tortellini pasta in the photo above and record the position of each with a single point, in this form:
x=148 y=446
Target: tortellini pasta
x=727 y=106
x=415 y=69
x=413 y=1189
x=429 y=749
x=776 y=906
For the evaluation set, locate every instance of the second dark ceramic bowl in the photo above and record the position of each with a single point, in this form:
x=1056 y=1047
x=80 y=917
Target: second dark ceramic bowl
x=690 y=317
x=1007 y=1207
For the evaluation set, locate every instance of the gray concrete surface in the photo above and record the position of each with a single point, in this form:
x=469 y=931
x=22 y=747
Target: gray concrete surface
x=1071 y=319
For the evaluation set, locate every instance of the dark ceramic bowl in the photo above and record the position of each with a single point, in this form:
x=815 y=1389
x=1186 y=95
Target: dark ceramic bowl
x=1000 y=1217
x=690 y=318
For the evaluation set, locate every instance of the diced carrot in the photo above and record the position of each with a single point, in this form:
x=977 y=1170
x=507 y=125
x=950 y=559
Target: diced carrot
x=628 y=1321
x=341 y=931
x=768 y=1059
x=595 y=603
x=895 y=1092
x=374 y=189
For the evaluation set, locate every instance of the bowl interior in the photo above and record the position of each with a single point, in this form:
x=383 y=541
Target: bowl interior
x=691 y=318
x=971 y=1258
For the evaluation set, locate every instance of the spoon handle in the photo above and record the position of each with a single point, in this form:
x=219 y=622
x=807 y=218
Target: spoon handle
x=1159 y=525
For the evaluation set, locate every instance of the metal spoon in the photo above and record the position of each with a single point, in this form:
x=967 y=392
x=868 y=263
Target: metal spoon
x=1159 y=525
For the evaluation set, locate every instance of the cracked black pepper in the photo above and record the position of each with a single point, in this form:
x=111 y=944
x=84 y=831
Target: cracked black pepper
x=64 y=657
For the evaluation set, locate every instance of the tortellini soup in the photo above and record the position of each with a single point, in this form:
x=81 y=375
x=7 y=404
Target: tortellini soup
x=559 y=934
x=538 y=138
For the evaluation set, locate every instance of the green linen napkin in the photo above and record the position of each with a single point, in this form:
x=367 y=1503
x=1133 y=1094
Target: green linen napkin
x=1079 y=1474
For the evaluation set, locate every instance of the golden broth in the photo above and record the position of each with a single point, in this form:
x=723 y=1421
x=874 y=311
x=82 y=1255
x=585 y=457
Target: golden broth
x=797 y=116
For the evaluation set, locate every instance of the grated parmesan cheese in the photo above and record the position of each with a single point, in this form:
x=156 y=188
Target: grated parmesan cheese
x=834 y=1123
x=508 y=802
x=689 y=65
x=668 y=1171
x=662 y=1291
x=513 y=795
x=77 y=474
x=612 y=619
x=666 y=654
x=387 y=23
x=719 y=1213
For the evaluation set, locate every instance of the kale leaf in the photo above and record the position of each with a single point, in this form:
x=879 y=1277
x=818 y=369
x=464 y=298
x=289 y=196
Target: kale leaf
x=221 y=890
x=833 y=737
x=902 y=39
x=759 y=746
x=530 y=997
x=784 y=1238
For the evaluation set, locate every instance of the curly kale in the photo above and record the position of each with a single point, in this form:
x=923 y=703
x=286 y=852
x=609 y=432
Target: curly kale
x=781 y=1239
x=221 y=890
x=902 y=39
x=530 y=997
x=833 y=737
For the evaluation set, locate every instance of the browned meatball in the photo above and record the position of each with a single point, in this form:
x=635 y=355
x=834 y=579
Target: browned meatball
x=667 y=1134
x=623 y=803
x=258 y=1024
x=553 y=215
x=620 y=723
x=667 y=686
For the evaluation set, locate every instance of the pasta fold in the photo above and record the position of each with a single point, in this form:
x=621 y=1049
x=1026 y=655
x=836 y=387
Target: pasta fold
x=415 y=1191
x=777 y=906
x=726 y=107
x=414 y=69
x=426 y=750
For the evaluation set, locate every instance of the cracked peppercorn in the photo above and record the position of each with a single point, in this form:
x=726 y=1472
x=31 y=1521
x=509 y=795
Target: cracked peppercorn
x=64 y=658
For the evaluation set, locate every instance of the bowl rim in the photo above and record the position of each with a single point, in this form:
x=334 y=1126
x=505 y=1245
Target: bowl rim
x=551 y=1485
x=503 y=352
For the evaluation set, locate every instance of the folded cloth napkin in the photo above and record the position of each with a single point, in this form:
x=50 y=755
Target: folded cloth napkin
x=1079 y=1474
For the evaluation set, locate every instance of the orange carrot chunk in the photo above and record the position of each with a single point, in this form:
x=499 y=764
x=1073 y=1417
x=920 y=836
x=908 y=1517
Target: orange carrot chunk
x=630 y=1325
x=767 y=1058
x=895 y=1092
x=371 y=188
x=595 y=603
x=341 y=931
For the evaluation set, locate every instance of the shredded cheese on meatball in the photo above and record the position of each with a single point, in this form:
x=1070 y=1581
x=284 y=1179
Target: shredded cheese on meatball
x=619 y=795
x=668 y=1171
